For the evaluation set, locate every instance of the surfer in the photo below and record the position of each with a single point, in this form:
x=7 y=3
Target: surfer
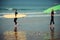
x=52 y=17
x=15 y=19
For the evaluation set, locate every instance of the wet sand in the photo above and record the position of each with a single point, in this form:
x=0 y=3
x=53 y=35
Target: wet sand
x=10 y=35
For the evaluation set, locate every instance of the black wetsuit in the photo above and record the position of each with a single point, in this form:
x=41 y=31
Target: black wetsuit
x=52 y=18
x=15 y=21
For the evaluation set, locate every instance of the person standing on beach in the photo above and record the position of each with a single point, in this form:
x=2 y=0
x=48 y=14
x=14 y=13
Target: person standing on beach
x=52 y=21
x=15 y=19
x=52 y=17
x=52 y=24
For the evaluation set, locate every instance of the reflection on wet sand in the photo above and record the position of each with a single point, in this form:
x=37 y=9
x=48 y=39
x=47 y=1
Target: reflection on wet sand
x=15 y=35
x=52 y=32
